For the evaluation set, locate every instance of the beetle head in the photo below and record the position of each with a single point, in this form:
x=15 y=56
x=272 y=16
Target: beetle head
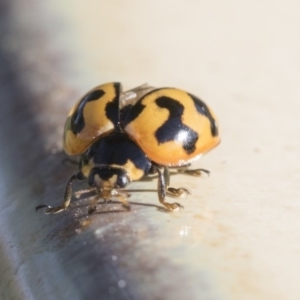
x=108 y=177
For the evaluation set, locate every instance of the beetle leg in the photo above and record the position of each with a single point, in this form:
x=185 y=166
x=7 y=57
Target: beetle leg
x=162 y=188
x=193 y=172
x=79 y=193
x=174 y=192
x=120 y=195
x=167 y=176
x=123 y=198
x=93 y=205
x=171 y=191
x=67 y=197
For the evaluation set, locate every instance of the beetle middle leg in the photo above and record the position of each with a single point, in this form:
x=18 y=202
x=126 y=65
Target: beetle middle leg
x=162 y=188
x=171 y=191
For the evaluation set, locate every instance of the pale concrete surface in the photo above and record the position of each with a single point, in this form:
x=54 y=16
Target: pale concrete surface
x=238 y=235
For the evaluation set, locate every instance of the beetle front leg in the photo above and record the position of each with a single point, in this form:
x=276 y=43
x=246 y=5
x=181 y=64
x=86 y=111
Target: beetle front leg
x=163 y=179
x=122 y=196
x=67 y=197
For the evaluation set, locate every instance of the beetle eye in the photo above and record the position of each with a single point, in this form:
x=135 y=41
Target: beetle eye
x=122 y=180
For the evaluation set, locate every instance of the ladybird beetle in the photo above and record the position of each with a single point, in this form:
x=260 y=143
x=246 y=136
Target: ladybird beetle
x=122 y=137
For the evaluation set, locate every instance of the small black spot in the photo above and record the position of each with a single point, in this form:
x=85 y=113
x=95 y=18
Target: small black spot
x=173 y=129
x=77 y=121
x=204 y=110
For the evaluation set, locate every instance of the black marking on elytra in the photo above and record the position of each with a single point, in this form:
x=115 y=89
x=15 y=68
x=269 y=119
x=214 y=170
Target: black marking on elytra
x=124 y=114
x=204 y=110
x=173 y=128
x=116 y=149
x=77 y=121
x=131 y=112
x=112 y=107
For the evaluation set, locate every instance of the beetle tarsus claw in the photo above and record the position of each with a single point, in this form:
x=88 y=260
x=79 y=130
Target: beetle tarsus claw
x=177 y=192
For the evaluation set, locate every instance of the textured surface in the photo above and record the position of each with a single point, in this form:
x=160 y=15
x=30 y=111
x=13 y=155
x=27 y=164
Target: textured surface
x=238 y=235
